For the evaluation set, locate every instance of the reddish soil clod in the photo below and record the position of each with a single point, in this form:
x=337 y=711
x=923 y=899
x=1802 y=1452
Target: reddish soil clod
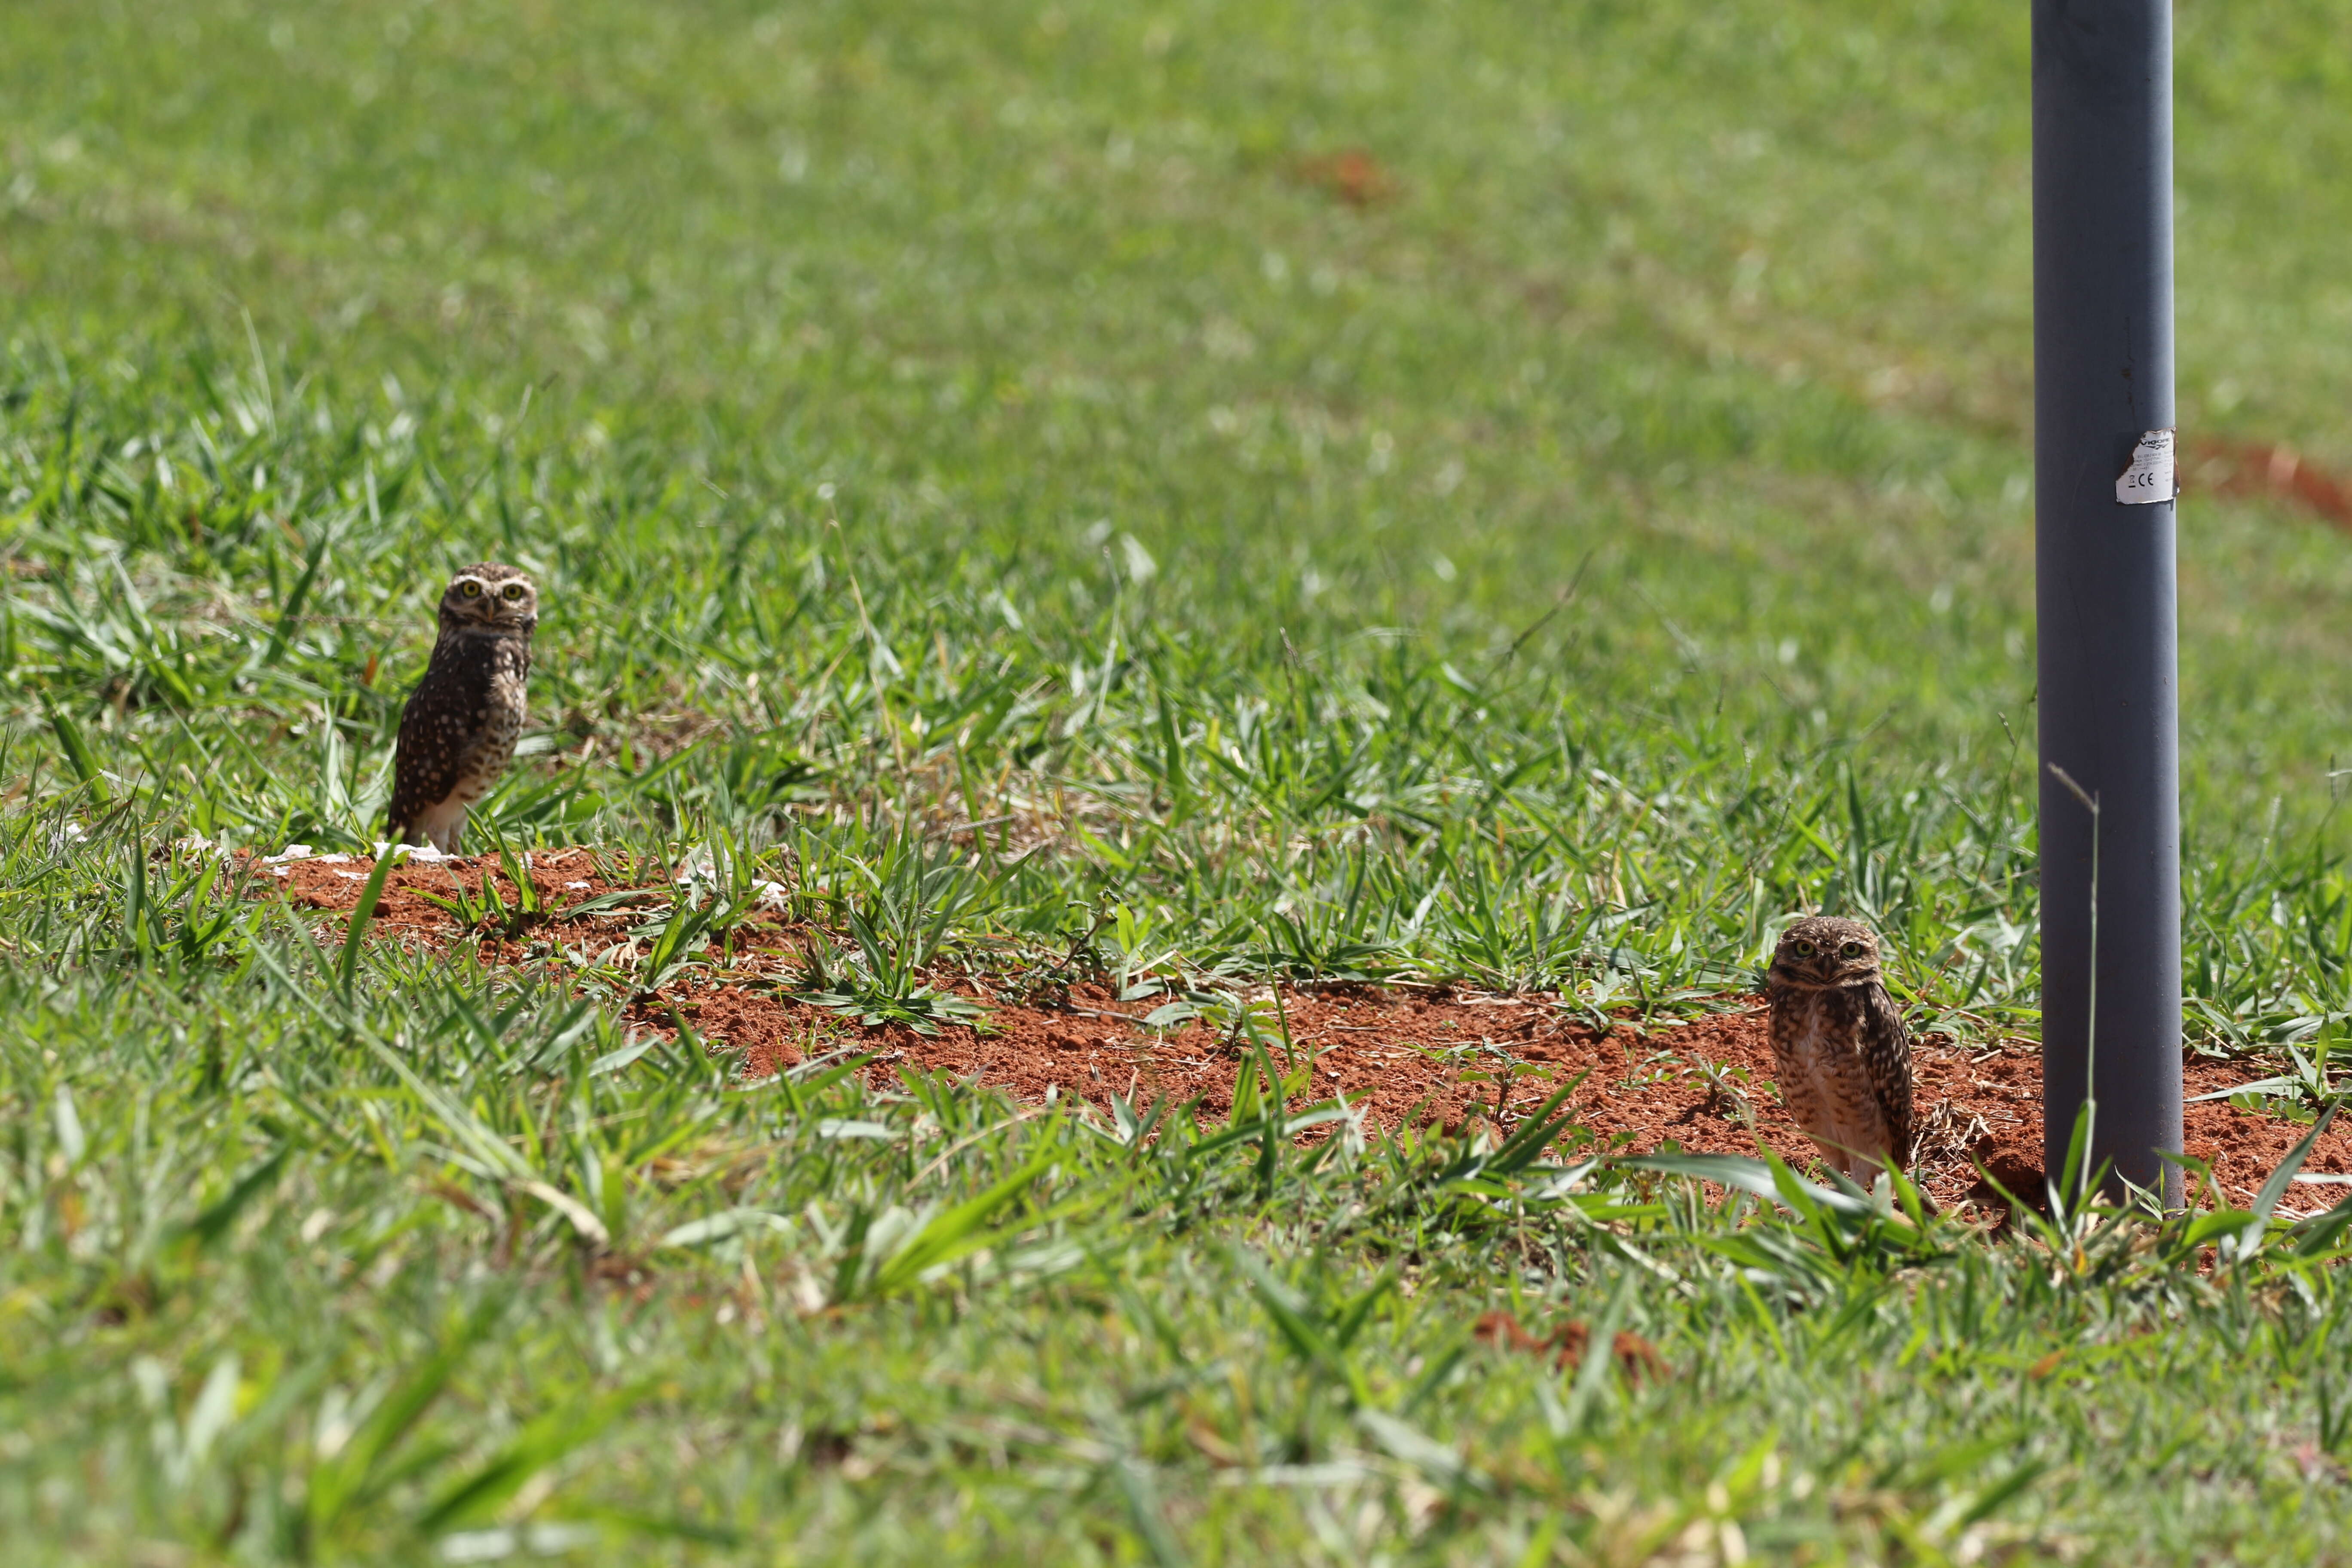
x=1564 y=1344
x=1352 y=174
x=2269 y=468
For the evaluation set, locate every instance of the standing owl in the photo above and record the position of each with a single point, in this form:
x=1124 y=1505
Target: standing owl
x=1839 y=1045
x=457 y=732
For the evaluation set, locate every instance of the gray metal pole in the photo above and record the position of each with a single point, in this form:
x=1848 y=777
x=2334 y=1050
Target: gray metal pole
x=2104 y=517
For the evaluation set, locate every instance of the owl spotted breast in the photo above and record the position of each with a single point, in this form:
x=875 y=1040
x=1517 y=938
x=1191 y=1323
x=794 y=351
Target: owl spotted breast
x=459 y=732
x=1839 y=1045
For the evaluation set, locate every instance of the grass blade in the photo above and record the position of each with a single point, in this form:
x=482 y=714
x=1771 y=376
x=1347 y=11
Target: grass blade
x=371 y=892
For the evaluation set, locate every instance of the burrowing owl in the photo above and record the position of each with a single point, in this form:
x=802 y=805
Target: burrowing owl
x=1838 y=1045
x=457 y=732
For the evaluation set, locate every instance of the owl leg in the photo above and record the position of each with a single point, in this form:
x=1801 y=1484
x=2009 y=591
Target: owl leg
x=441 y=825
x=1832 y=1156
x=1848 y=1160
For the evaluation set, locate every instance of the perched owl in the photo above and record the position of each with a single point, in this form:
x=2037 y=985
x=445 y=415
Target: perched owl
x=457 y=732
x=1839 y=1045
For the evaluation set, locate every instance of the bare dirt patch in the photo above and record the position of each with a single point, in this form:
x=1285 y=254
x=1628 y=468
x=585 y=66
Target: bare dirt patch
x=560 y=877
x=1456 y=1060
x=2269 y=469
x=1404 y=1056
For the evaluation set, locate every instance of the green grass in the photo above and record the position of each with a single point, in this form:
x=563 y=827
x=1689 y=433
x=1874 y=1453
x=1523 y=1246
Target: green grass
x=977 y=476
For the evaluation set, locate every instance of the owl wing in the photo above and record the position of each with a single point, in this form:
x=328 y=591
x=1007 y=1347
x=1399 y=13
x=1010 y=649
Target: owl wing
x=436 y=731
x=1886 y=1049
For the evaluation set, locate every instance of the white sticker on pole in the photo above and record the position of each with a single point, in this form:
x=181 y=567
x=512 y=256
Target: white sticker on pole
x=2152 y=476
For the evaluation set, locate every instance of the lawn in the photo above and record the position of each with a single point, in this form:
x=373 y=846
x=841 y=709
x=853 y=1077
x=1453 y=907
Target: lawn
x=1197 y=501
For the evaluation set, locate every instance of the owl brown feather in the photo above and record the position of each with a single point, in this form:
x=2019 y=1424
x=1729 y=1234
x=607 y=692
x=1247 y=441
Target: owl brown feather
x=458 y=731
x=1839 y=1045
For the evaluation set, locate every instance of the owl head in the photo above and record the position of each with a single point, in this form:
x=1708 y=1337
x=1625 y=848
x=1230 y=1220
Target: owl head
x=490 y=598
x=1823 y=951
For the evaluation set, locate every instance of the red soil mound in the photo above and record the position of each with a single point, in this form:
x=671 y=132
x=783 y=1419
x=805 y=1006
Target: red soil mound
x=562 y=877
x=1402 y=1055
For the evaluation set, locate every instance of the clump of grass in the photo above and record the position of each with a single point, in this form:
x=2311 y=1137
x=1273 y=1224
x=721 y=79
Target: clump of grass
x=899 y=912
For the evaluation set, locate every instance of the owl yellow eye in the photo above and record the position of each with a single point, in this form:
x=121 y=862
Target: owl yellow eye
x=1804 y=949
x=1850 y=950
x=514 y=591
x=471 y=590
